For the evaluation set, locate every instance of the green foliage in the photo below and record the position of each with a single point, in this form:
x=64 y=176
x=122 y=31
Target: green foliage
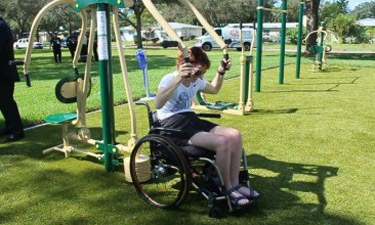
x=363 y=35
x=61 y=15
x=365 y=10
x=330 y=10
x=344 y=26
x=292 y=15
x=216 y=12
x=292 y=35
x=21 y=13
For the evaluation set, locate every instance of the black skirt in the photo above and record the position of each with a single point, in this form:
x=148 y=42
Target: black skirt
x=189 y=123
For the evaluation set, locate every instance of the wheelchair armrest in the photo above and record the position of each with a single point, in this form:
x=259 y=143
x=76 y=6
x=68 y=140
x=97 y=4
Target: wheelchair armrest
x=145 y=104
x=169 y=132
x=209 y=115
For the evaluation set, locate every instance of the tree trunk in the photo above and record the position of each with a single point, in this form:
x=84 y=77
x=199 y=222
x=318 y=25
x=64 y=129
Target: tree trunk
x=312 y=8
x=139 y=30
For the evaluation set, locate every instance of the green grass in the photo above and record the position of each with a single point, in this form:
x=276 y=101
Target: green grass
x=309 y=143
x=45 y=74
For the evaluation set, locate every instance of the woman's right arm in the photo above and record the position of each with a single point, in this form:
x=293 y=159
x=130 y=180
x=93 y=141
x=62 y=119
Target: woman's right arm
x=165 y=93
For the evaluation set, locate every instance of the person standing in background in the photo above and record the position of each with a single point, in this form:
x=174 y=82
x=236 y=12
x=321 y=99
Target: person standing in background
x=72 y=44
x=8 y=76
x=56 y=47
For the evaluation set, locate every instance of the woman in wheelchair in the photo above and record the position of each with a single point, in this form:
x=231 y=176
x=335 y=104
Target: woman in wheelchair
x=173 y=102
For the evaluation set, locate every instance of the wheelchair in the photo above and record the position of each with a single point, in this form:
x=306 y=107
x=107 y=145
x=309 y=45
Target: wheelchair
x=173 y=170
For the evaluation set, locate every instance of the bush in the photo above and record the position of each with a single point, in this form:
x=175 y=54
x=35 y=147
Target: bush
x=292 y=35
x=362 y=36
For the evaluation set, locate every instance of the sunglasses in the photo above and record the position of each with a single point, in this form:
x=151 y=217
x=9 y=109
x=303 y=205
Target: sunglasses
x=198 y=73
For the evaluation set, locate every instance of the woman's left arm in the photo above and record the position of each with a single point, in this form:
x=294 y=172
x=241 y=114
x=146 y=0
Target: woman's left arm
x=215 y=85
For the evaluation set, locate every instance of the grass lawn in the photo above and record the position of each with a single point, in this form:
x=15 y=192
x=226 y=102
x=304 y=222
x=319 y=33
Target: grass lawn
x=45 y=74
x=309 y=143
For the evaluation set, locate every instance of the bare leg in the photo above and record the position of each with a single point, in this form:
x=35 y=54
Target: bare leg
x=218 y=144
x=222 y=147
x=235 y=144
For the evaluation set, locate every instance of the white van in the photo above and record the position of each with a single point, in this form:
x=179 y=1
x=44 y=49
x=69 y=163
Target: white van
x=231 y=36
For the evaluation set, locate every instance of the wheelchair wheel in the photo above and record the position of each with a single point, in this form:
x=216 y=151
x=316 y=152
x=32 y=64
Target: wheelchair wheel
x=169 y=182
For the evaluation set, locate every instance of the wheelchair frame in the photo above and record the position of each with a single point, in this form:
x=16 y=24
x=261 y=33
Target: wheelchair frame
x=165 y=157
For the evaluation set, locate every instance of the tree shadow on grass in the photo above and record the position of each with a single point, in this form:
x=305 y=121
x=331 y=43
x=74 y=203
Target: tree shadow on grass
x=282 y=180
x=355 y=56
x=307 y=91
x=333 y=83
x=279 y=203
x=85 y=194
x=275 y=111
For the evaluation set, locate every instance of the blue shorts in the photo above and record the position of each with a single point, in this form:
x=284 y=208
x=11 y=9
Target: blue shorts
x=188 y=122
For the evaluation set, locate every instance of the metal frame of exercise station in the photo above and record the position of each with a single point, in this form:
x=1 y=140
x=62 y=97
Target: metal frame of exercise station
x=100 y=12
x=283 y=12
x=320 y=51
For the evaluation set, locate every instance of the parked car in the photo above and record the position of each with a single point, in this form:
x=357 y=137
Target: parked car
x=24 y=42
x=231 y=36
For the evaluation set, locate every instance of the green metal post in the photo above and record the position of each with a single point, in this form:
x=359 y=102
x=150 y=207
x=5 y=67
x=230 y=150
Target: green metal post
x=282 y=41
x=299 y=38
x=106 y=84
x=259 y=30
x=320 y=56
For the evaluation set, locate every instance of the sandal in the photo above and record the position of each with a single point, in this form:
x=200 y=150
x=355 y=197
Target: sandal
x=253 y=194
x=235 y=201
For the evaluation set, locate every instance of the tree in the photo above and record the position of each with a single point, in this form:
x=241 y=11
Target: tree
x=329 y=11
x=20 y=13
x=292 y=15
x=60 y=16
x=217 y=12
x=344 y=26
x=312 y=8
x=133 y=16
x=365 y=10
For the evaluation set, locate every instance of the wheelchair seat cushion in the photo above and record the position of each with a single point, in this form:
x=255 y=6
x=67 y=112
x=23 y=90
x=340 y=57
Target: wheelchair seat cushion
x=196 y=152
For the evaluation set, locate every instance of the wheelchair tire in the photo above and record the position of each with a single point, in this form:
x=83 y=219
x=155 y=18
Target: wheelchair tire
x=170 y=174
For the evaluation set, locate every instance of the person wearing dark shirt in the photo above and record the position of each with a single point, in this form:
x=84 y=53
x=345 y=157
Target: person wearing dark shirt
x=56 y=47
x=72 y=44
x=8 y=76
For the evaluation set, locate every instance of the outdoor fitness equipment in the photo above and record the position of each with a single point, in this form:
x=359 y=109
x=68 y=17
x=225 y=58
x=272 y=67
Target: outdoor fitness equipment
x=245 y=104
x=100 y=11
x=283 y=13
x=320 y=59
x=142 y=64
